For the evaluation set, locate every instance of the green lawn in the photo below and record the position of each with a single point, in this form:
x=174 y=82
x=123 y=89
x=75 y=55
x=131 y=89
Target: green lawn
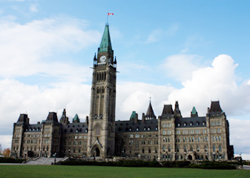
x=28 y=171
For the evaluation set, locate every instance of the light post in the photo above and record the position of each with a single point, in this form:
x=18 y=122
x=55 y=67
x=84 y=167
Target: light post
x=69 y=152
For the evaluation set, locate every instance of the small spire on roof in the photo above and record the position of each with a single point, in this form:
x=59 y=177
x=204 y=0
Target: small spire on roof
x=194 y=113
x=150 y=112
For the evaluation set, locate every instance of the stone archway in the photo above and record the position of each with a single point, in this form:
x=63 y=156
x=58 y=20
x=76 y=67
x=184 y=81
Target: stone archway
x=95 y=152
x=189 y=157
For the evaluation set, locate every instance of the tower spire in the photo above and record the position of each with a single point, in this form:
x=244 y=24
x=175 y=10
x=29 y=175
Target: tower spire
x=150 y=112
x=105 y=45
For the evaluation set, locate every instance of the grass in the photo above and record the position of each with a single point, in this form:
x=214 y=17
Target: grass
x=30 y=171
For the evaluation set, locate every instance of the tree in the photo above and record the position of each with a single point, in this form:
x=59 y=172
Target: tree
x=0 y=149
x=6 y=152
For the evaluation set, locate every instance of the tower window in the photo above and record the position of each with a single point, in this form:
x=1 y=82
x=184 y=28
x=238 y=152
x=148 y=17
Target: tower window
x=98 y=130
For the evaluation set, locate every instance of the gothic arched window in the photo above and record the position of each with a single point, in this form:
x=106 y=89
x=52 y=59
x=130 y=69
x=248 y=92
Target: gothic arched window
x=97 y=130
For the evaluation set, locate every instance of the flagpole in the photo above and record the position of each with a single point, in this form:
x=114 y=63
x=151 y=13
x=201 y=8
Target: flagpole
x=107 y=18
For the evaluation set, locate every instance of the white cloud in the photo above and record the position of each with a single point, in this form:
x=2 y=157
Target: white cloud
x=239 y=132
x=181 y=66
x=214 y=83
x=172 y=30
x=5 y=141
x=33 y=8
x=25 y=47
x=19 y=98
x=134 y=96
x=155 y=36
x=159 y=34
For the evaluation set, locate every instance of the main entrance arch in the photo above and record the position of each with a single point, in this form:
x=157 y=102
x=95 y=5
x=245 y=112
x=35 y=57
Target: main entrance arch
x=95 y=152
x=190 y=157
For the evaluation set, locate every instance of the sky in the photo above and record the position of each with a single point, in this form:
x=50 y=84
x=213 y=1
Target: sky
x=189 y=51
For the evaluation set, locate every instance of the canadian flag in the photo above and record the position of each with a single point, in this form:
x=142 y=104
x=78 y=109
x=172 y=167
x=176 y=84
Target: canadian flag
x=110 y=13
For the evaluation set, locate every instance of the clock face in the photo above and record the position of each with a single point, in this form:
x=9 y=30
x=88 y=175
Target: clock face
x=103 y=59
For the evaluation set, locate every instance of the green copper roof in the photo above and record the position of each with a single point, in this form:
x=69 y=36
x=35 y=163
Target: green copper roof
x=194 y=110
x=133 y=115
x=76 y=118
x=105 y=45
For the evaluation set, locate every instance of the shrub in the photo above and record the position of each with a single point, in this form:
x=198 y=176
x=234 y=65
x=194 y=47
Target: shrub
x=122 y=163
x=10 y=160
x=213 y=165
x=175 y=163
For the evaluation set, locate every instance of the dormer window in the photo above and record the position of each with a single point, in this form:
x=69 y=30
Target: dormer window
x=185 y=124
x=191 y=124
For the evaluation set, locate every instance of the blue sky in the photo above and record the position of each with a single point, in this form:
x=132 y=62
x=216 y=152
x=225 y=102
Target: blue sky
x=190 y=51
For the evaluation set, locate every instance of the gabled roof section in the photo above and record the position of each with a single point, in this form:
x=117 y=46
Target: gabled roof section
x=194 y=113
x=133 y=115
x=105 y=45
x=140 y=126
x=150 y=112
x=52 y=117
x=190 y=122
x=194 y=110
x=177 y=112
x=23 y=118
x=215 y=107
x=76 y=119
x=167 y=110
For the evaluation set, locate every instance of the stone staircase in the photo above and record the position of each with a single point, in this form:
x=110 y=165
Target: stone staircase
x=45 y=161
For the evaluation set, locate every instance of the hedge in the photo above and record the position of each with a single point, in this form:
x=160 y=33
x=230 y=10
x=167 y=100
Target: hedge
x=10 y=160
x=122 y=163
x=214 y=165
x=141 y=163
x=175 y=163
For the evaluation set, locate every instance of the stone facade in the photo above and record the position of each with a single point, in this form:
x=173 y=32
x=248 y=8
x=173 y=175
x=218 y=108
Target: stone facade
x=168 y=137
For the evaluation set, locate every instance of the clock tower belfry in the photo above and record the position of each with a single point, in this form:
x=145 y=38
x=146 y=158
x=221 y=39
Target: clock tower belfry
x=101 y=128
